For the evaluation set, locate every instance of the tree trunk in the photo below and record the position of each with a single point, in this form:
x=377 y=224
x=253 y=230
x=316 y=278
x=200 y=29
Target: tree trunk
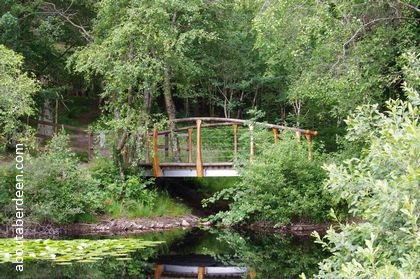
x=297 y=106
x=170 y=110
x=47 y=115
x=147 y=95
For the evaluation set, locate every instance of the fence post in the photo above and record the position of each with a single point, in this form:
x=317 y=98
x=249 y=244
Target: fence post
x=199 y=159
x=298 y=135
x=252 y=274
x=201 y=271
x=158 y=271
x=276 y=135
x=157 y=172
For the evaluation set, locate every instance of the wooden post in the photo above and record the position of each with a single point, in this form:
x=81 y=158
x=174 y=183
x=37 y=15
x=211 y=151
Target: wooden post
x=190 y=131
x=309 y=141
x=201 y=271
x=276 y=135
x=252 y=274
x=157 y=172
x=199 y=159
x=251 y=142
x=298 y=135
x=235 y=141
x=166 y=146
x=158 y=271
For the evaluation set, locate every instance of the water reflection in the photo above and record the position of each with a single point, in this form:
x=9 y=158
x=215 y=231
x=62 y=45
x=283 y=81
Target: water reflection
x=270 y=256
x=198 y=266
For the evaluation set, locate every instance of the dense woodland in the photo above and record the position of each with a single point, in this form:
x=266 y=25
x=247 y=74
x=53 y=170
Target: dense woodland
x=348 y=69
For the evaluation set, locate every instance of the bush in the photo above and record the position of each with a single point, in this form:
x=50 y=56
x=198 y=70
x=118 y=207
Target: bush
x=133 y=187
x=56 y=189
x=280 y=185
x=381 y=188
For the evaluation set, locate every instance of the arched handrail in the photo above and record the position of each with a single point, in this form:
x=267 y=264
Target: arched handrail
x=207 y=122
x=229 y=121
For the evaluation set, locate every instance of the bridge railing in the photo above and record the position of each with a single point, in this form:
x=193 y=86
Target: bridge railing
x=200 y=142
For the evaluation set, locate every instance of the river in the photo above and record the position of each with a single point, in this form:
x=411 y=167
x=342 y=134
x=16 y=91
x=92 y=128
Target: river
x=243 y=254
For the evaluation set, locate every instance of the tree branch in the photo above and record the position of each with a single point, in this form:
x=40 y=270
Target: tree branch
x=409 y=6
x=358 y=32
x=67 y=17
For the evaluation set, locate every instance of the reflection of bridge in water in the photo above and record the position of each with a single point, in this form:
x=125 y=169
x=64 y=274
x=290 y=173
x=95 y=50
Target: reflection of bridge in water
x=208 y=146
x=198 y=266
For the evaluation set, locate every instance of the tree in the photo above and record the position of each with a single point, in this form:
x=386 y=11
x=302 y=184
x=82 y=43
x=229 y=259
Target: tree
x=381 y=188
x=335 y=55
x=46 y=33
x=138 y=48
x=17 y=90
x=231 y=79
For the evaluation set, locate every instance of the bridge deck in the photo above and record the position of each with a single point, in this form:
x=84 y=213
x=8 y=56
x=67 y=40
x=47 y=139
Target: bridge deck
x=190 y=170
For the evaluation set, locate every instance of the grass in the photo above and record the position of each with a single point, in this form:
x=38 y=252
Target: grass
x=163 y=206
x=87 y=218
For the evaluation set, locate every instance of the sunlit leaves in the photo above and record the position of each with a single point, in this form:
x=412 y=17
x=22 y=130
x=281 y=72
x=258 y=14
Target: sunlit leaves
x=381 y=188
x=16 y=95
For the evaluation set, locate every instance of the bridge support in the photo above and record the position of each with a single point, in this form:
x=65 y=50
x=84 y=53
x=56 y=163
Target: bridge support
x=157 y=172
x=276 y=135
x=199 y=159
x=158 y=271
x=298 y=135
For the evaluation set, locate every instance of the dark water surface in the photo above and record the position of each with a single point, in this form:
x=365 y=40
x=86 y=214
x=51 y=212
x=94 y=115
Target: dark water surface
x=136 y=256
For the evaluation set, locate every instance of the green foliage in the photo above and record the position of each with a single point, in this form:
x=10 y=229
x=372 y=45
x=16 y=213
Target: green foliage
x=162 y=205
x=56 y=189
x=381 y=188
x=334 y=55
x=280 y=185
x=211 y=185
x=16 y=98
x=75 y=250
x=86 y=258
x=134 y=196
x=134 y=187
x=272 y=255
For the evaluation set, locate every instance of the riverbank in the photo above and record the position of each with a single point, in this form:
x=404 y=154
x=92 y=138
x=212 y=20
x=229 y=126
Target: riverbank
x=108 y=226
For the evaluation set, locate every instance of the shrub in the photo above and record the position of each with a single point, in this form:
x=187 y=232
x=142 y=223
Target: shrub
x=280 y=185
x=56 y=189
x=382 y=188
x=133 y=187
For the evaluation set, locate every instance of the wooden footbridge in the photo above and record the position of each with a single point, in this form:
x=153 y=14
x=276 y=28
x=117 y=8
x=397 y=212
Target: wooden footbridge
x=209 y=146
